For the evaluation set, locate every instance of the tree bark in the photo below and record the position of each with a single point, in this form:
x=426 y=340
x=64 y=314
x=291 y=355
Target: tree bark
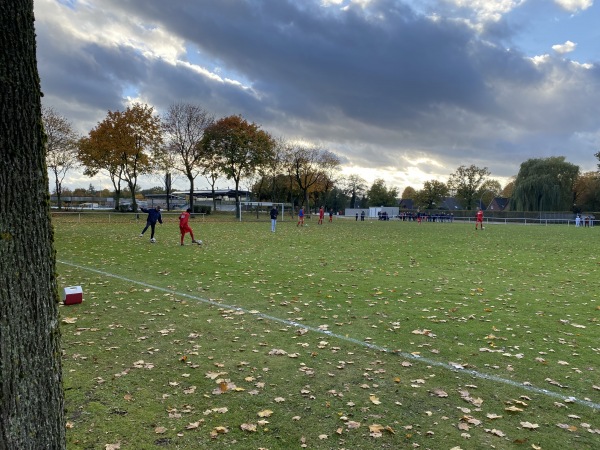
x=31 y=396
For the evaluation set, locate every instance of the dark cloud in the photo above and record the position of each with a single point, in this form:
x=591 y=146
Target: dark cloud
x=377 y=83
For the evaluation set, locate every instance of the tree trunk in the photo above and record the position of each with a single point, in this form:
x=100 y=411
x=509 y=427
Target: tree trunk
x=168 y=189
x=31 y=396
x=191 y=193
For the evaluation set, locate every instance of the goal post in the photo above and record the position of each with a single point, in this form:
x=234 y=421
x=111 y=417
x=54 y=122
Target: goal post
x=256 y=206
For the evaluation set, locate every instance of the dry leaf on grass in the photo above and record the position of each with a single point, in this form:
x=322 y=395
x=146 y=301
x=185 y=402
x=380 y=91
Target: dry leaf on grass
x=251 y=427
x=439 y=393
x=495 y=432
x=218 y=430
x=374 y=400
x=265 y=413
x=529 y=425
x=194 y=425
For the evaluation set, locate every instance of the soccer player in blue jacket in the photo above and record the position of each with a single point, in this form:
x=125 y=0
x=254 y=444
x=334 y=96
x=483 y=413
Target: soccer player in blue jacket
x=154 y=216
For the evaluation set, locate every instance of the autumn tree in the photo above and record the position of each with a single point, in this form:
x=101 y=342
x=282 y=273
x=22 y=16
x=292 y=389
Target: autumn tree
x=409 y=192
x=380 y=195
x=31 y=395
x=432 y=194
x=311 y=168
x=123 y=144
x=184 y=125
x=239 y=148
x=61 y=147
x=489 y=190
x=141 y=139
x=507 y=191
x=354 y=186
x=466 y=182
x=545 y=184
x=94 y=152
x=587 y=192
x=273 y=176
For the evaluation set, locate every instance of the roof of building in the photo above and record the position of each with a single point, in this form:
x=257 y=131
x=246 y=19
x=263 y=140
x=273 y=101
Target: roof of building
x=216 y=193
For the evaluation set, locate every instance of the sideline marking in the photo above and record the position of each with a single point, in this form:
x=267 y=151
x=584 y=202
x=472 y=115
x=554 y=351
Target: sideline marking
x=410 y=356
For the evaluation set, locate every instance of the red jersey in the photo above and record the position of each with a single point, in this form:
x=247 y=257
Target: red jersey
x=184 y=219
x=321 y=213
x=480 y=216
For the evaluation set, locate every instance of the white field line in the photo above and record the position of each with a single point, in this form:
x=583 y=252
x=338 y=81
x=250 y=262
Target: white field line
x=410 y=356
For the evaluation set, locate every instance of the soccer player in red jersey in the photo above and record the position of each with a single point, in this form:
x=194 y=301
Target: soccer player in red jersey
x=479 y=218
x=321 y=215
x=184 y=226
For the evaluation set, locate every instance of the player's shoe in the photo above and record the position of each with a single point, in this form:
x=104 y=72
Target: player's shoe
x=153 y=240
x=141 y=235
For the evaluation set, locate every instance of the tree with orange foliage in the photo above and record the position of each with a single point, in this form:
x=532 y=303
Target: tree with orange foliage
x=123 y=144
x=239 y=148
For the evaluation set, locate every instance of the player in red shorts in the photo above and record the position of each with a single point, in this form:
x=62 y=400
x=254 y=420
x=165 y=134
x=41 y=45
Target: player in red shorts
x=479 y=219
x=300 y=217
x=184 y=226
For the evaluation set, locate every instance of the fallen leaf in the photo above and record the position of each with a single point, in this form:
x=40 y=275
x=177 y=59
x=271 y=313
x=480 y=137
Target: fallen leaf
x=194 y=425
x=248 y=427
x=439 y=393
x=218 y=430
x=265 y=413
x=495 y=432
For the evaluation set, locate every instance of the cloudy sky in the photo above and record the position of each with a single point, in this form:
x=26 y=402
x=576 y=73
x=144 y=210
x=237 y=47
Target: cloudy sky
x=404 y=90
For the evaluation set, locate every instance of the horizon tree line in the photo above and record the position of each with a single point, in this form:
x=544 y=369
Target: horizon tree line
x=189 y=141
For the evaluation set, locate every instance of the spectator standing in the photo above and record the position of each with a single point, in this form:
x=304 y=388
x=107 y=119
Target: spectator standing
x=274 y=214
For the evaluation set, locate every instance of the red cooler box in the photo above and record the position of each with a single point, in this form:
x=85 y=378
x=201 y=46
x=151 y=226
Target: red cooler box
x=73 y=295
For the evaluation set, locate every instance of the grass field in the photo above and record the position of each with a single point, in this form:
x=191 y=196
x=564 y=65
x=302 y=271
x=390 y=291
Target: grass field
x=355 y=335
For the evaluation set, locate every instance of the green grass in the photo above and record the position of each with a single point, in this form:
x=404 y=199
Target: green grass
x=372 y=316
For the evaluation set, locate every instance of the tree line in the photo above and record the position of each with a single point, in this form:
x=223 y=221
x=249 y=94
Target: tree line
x=189 y=141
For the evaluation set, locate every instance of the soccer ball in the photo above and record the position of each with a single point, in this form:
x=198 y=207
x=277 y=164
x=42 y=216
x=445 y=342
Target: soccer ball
x=198 y=241
x=153 y=240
